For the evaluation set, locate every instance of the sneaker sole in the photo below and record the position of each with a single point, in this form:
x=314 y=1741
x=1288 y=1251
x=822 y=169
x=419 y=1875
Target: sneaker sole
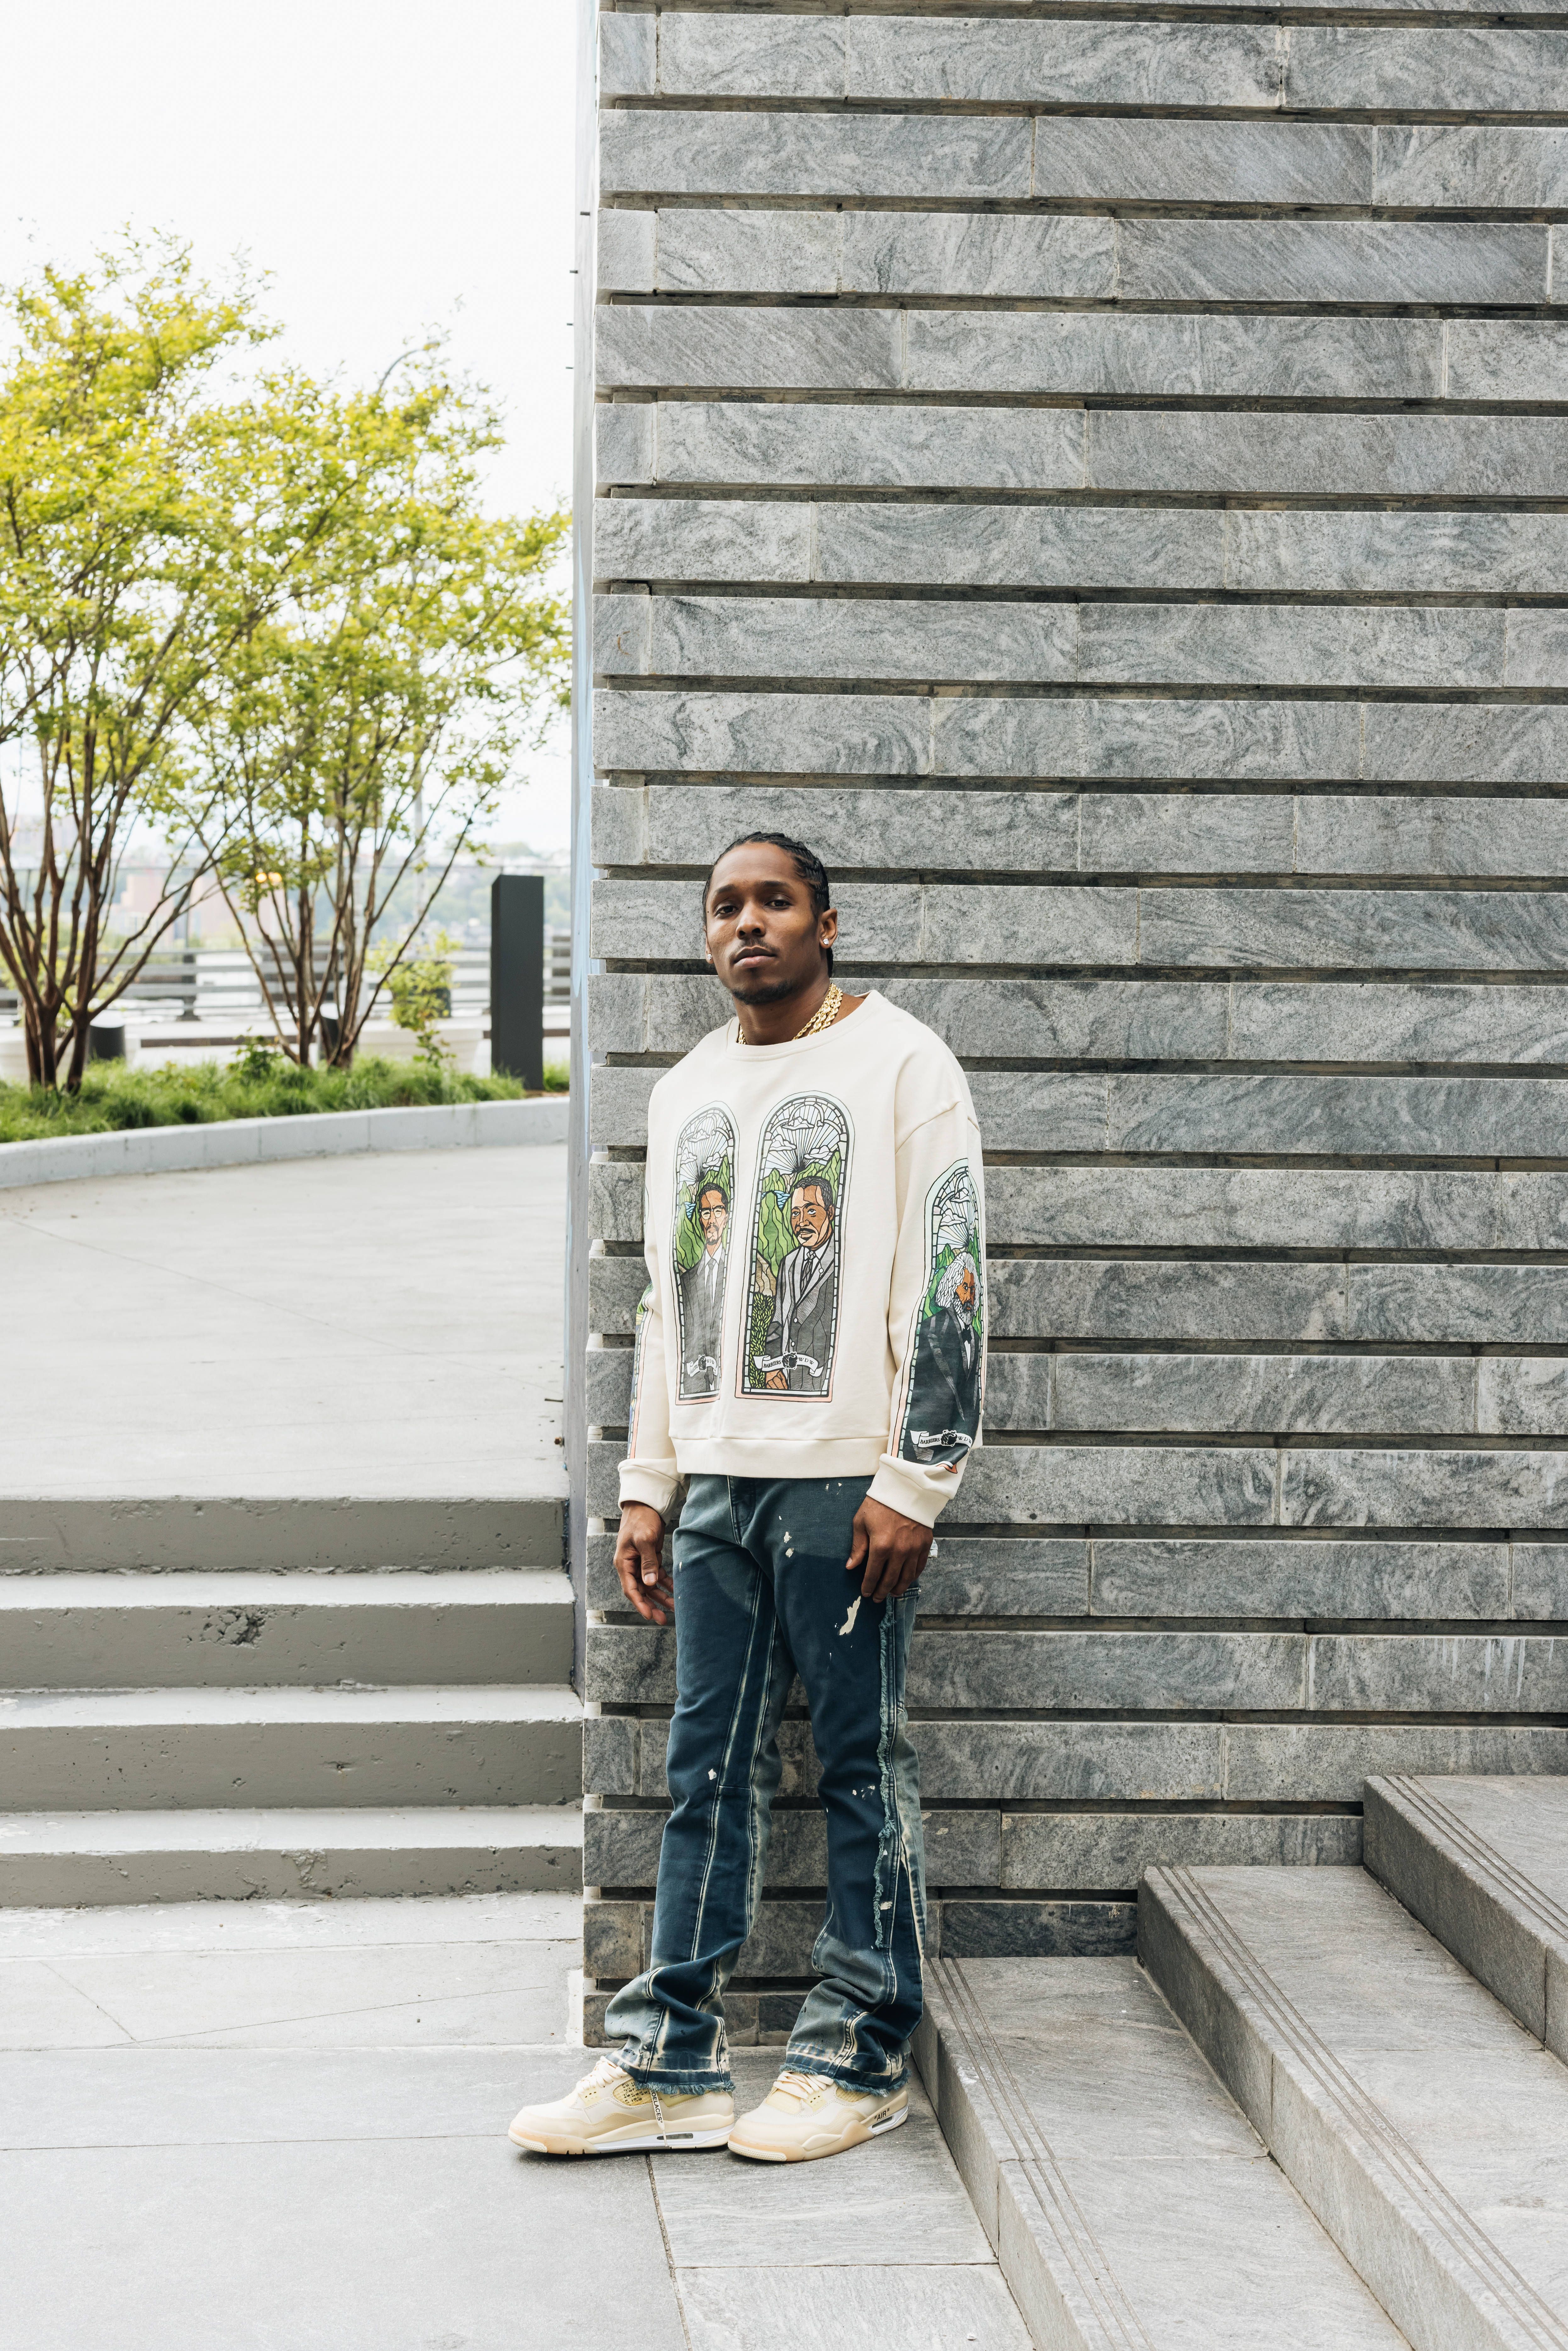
x=816 y=2155
x=673 y=2143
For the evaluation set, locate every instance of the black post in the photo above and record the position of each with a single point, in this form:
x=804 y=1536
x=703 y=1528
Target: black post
x=517 y=977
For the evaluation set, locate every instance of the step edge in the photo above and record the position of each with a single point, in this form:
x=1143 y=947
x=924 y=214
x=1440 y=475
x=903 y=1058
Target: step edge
x=1304 y=2102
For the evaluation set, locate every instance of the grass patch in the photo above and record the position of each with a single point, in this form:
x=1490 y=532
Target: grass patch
x=262 y=1084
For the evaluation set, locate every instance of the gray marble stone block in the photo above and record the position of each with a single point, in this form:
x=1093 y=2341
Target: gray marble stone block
x=1540 y=1582
x=723 y=442
x=1087 y=1762
x=1510 y=359
x=1459 y=1304
x=695 y=345
x=1004 y=255
x=1063 y=63
x=1378 y=645
x=865 y=638
x=1256 y=1576
x=1372 y=1487
x=1461 y=1673
x=1412 y=551
x=627 y=46
x=1457 y=742
x=1038 y=1930
x=1461 y=1118
x=623 y=436
x=614 y=1201
x=1461 y=166
x=1170 y=1672
x=1186 y=738
x=1491 y=839
x=1310 y=1394
x=614 y=1286
x=1172 y=162
x=1088 y=1298
x=1332 y=1762
x=980 y=1575
x=1537 y=649
x=1330 y=261
x=1383 y=456
x=1274 y=1209
x=1122 y=1485
x=1158 y=354
x=752 y=251
x=1018 y=547
x=1522 y=1396
x=758 y=56
x=1106 y=1850
x=1471 y=930
x=846 y=734
x=674 y=152
x=1298 y=1021
x=624 y=242
x=1412 y=69
x=881 y=828
x=699 y=539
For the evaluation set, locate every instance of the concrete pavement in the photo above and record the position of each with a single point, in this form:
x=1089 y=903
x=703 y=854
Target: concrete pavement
x=280 y=2127
x=366 y=1325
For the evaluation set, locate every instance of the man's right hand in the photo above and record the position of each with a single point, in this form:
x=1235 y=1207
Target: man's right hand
x=639 y=1563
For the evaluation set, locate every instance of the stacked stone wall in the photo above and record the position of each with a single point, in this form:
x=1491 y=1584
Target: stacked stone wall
x=1103 y=478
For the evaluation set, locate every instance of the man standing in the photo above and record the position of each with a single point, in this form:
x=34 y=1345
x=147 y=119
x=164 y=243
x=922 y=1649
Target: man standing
x=806 y=1304
x=802 y=1463
x=702 y=1296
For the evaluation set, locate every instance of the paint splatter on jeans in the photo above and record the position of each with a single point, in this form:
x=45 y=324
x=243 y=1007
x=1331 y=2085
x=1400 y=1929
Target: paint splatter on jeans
x=761 y=1593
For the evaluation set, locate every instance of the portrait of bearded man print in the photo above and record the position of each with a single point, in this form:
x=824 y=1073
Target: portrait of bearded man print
x=947 y=1370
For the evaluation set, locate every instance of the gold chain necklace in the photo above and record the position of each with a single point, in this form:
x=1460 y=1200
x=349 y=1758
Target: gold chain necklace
x=826 y=1013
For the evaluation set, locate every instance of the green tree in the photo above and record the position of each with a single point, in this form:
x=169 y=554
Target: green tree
x=129 y=569
x=361 y=731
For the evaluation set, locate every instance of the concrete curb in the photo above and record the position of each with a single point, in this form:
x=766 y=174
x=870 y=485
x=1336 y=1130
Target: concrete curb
x=240 y=1142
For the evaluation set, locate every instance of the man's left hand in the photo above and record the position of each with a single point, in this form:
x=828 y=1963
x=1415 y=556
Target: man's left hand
x=888 y=1551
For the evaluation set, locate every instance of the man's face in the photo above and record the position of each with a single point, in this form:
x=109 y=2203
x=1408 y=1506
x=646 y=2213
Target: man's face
x=811 y=1219
x=765 y=936
x=712 y=1215
x=964 y=1296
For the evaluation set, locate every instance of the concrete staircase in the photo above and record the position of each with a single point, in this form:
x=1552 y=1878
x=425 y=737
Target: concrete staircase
x=1302 y=2118
x=180 y=1719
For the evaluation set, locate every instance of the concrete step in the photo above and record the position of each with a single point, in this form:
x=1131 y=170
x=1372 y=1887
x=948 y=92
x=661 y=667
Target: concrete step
x=1131 y=2206
x=79 y=1750
x=69 y=1858
x=81 y=1631
x=1427 y=2131
x=1483 y=1863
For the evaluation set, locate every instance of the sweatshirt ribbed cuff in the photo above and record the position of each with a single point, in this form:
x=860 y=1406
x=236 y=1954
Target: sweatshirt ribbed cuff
x=656 y=1488
x=911 y=1496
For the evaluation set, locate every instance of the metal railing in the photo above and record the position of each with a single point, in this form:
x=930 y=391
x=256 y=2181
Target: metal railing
x=219 y=984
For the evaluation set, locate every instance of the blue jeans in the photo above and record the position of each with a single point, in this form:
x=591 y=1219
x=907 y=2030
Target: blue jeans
x=760 y=1594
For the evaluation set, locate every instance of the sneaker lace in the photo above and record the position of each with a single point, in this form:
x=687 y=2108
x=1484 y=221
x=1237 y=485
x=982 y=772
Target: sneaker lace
x=799 y=2086
x=603 y=2074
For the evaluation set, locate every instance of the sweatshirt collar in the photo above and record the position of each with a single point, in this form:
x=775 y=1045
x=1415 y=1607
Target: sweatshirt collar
x=874 y=1002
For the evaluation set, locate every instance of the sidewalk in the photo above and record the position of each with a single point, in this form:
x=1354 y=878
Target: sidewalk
x=377 y=1324
x=279 y=2126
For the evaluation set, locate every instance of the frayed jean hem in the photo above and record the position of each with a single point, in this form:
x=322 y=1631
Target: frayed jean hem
x=671 y=2080
x=880 y=2085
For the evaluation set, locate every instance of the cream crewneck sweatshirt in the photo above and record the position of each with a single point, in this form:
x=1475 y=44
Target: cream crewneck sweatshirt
x=815 y=1240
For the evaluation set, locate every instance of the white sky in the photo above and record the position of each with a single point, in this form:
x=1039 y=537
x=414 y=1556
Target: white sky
x=395 y=167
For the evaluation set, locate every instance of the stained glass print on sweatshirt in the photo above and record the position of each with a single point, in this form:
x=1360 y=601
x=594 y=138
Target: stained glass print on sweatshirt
x=791 y=1317
x=946 y=1374
x=699 y=1247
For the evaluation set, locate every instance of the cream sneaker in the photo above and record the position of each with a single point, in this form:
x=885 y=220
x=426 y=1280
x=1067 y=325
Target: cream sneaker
x=610 y=2114
x=807 y=2115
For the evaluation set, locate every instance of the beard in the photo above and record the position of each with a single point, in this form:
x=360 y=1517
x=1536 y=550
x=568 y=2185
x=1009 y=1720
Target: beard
x=763 y=991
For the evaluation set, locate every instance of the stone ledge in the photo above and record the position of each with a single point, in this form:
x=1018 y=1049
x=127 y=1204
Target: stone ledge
x=242 y=1142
